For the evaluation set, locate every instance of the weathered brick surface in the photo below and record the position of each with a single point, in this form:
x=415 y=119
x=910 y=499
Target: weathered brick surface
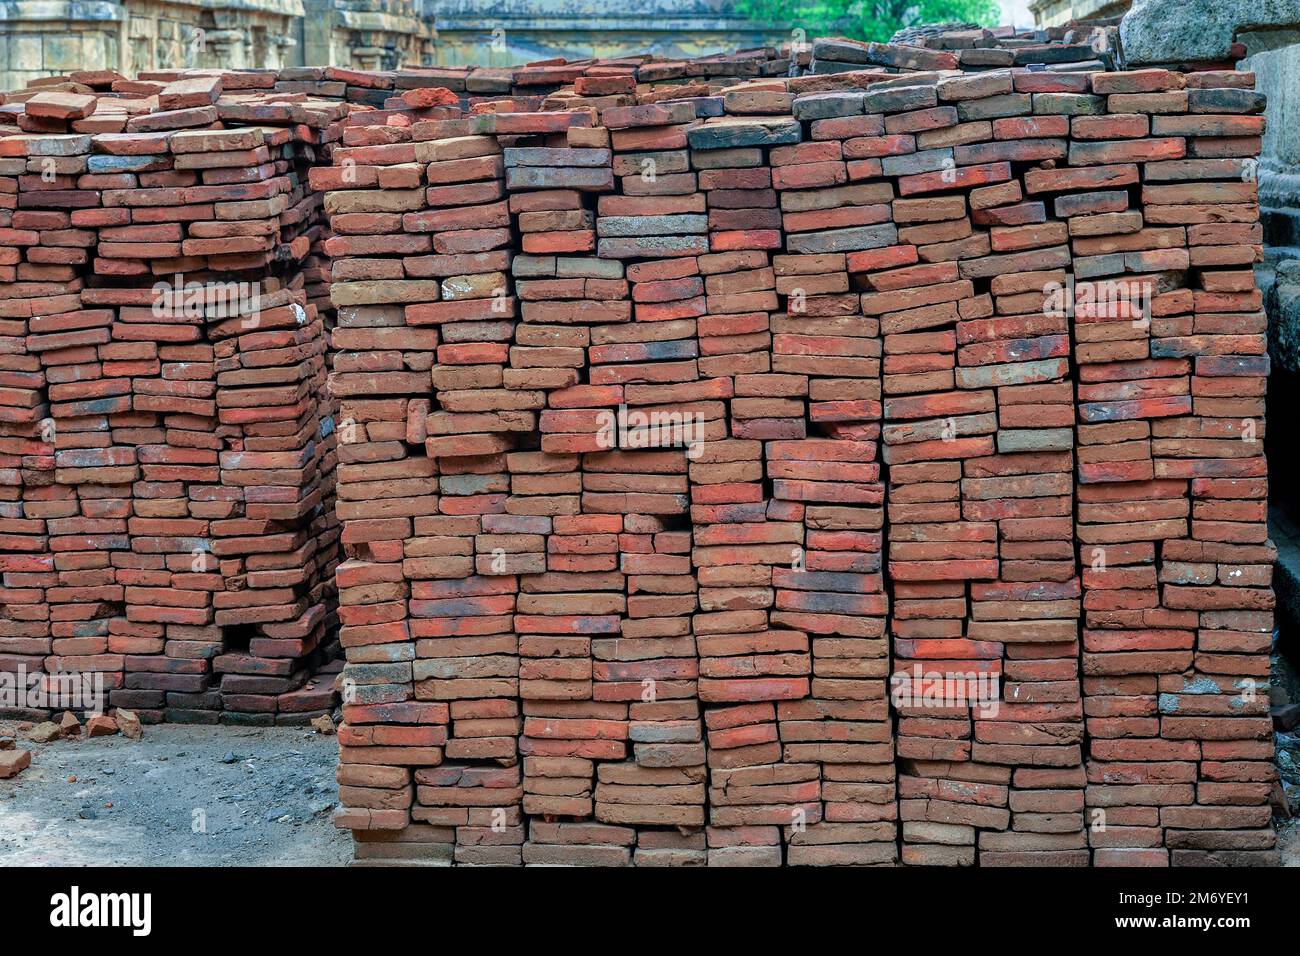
x=168 y=450
x=910 y=434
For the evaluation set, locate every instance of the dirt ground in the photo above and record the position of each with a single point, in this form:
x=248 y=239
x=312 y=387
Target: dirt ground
x=180 y=796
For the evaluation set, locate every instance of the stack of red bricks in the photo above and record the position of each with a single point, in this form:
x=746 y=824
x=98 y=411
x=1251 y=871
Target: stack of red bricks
x=417 y=221
x=172 y=436
x=735 y=467
x=649 y=405
x=977 y=432
x=1172 y=489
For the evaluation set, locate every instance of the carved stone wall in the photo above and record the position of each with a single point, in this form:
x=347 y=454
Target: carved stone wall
x=367 y=34
x=205 y=33
x=504 y=32
x=46 y=37
x=42 y=38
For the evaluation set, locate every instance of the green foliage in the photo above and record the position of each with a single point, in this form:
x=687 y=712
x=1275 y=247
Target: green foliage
x=867 y=19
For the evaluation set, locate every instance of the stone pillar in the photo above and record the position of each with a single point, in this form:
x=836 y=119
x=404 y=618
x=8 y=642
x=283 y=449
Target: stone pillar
x=367 y=34
x=317 y=32
x=1275 y=60
x=226 y=48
